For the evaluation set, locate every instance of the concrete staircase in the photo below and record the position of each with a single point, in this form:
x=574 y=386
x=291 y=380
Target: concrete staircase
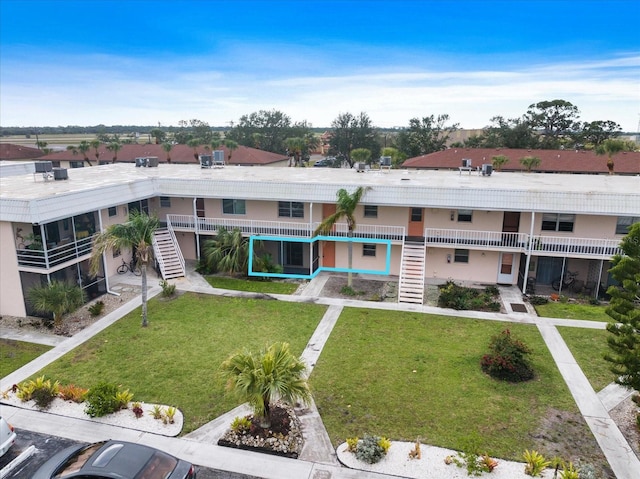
x=168 y=254
x=411 y=284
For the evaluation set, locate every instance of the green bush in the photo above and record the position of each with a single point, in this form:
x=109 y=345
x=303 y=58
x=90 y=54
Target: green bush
x=371 y=449
x=507 y=359
x=41 y=390
x=538 y=300
x=168 y=289
x=461 y=298
x=96 y=308
x=101 y=400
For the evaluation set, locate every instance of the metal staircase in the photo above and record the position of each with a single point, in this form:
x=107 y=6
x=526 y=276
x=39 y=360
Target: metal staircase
x=411 y=285
x=168 y=254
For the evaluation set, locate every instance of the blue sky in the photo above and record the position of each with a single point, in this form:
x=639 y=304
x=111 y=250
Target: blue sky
x=145 y=62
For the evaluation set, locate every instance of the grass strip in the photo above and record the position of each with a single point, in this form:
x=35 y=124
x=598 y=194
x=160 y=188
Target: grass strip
x=408 y=375
x=252 y=285
x=175 y=360
x=15 y=354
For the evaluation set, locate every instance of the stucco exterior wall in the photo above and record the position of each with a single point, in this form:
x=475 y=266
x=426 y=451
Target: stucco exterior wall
x=11 y=299
x=482 y=266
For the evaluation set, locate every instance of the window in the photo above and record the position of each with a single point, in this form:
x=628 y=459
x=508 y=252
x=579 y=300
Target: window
x=369 y=250
x=76 y=164
x=290 y=209
x=113 y=211
x=461 y=256
x=624 y=223
x=370 y=211
x=465 y=216
x=558 y=222
x=165 y=202
x=234 y=207
x=416 y=214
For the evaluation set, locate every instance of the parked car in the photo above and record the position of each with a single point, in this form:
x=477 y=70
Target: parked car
x=324 y=162
x=7 y=436
x=114 y=459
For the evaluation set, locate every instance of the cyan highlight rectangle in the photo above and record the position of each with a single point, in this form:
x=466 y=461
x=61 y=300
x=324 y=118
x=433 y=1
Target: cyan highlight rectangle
x=321 y=268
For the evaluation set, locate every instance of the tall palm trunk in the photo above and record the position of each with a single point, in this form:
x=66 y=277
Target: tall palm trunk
x=143 y=269
x=350 y=258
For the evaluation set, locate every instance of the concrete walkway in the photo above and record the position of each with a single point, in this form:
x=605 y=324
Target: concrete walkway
x=318 y=459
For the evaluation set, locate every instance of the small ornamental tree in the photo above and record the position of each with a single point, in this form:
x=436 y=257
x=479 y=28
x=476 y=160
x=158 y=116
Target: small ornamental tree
x=508 y=359
x=624 y=310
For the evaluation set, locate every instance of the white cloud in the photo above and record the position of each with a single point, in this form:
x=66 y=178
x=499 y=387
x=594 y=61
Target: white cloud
x=112 y=90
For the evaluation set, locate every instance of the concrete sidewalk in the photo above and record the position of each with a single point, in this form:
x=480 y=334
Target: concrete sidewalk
x=318 y=459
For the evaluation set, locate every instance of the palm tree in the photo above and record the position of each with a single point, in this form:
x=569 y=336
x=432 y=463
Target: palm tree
x=361 y=155
x=499 y=161
x=95 y=144
x=273 y=374
x=295 y=146
x=82 y=147
x=530 y=162
x=114 y=146
x=58 y=298
x=137 y=235
x=167 y=146
x=345 y=208
x=610 y=147
x=194 y=143
x=231 y=146
x=228 y=252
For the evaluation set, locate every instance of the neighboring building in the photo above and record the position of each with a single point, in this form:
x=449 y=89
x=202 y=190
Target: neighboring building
x=179 y=154
x=507 y=228
x=551 y=161
x=9 y=151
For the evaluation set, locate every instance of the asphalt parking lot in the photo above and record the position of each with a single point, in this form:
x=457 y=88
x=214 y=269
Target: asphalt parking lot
x=46 y=446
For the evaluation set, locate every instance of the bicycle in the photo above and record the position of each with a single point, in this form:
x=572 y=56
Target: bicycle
x=568 y=280
x=130 y=266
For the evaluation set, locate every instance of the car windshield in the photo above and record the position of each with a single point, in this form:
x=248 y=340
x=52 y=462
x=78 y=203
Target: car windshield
x=158 y=467
x=75 y=462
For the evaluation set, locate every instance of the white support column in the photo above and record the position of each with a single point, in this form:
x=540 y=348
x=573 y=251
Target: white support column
x=528 y=254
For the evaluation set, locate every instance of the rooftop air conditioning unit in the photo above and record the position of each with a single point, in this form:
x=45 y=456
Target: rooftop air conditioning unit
x=466 y=163
x=385 y=161
x=487 y=169
x=141 y=162
x=361 y=167
x=43 y=166
x=218 y=157
x=152 y=162
x=206 y=161
x=60 y=174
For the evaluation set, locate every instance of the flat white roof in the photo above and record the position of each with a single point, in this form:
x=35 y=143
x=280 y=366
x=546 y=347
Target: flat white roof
x=29 y=198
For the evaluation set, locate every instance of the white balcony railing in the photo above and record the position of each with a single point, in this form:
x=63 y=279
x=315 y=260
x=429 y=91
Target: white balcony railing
x=561 y=245
x=54 y=256
x=279 y=228
x=475 y=239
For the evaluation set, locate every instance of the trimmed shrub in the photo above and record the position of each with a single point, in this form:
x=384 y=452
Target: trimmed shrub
x=101 y=400
x=372 y=449
x=508 y=359
x=96 y=308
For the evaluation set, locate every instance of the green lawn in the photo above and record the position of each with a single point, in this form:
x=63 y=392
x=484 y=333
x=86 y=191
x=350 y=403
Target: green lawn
x=252 y=285
x=15 y=354
x=176 y=359
x=409 y=375
x=588 y=347
x=573 y=311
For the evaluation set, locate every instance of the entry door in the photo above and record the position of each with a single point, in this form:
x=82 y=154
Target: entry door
x=510 y=224
x=506 y=273
x=416 y=222
x=328 y=247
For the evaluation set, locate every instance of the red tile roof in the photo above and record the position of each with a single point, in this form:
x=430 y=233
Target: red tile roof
x=179 y=154
x=551 y=161
x=9 y=151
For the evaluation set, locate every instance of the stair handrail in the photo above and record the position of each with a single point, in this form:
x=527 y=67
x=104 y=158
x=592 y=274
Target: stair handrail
x=177 y=247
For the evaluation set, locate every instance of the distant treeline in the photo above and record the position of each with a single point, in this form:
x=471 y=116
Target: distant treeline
x=90 y=130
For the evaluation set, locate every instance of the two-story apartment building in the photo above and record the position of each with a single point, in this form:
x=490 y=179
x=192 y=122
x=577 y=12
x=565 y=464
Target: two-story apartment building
x=506 y=228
